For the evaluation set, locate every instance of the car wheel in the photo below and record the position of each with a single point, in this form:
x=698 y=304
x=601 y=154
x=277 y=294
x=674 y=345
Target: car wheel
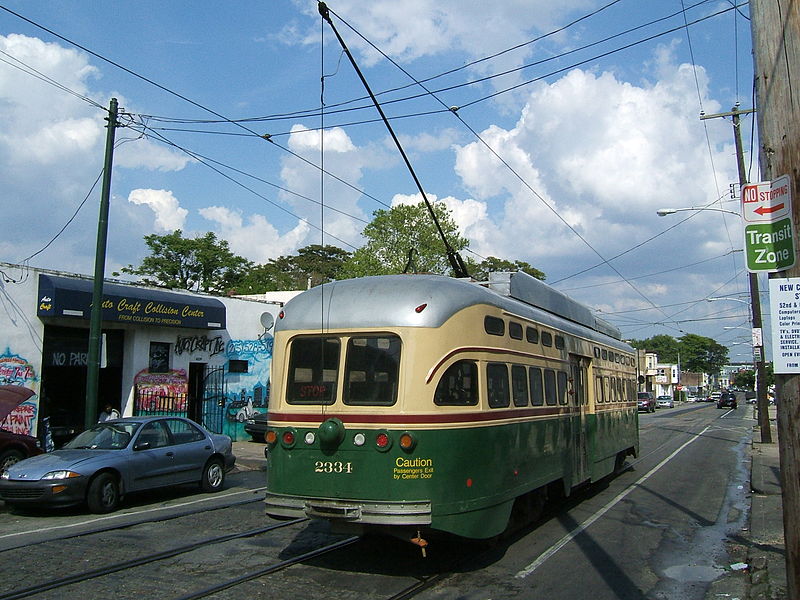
x=213 y=476
x=103 y=494
x=10 y=457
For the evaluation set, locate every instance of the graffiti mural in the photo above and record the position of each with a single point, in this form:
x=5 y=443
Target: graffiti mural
x=16 y=370
x=247 y=382
x=161 y=393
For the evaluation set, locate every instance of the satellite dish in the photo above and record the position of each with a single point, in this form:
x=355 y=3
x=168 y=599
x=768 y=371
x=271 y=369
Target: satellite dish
x=267 y=320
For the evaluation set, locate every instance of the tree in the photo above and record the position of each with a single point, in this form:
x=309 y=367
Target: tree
x=405 y=235
x=666 y=346
x=701 y=354
x=198 y=264
x=314 y=263
x=481 y=270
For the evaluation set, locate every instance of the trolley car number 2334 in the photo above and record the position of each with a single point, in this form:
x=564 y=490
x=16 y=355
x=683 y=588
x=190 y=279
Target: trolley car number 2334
x=328 y=466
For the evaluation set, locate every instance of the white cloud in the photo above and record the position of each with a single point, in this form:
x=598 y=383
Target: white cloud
x=254 y=237
x=168 y=212
x=603 y=153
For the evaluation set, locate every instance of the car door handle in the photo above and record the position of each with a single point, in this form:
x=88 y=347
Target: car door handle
x=170 y=454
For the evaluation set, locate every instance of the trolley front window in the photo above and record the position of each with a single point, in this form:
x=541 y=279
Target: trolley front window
x=371 y=372
x=313 y=367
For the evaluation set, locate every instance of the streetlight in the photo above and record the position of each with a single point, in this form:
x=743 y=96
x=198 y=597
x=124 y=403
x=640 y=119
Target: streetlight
x=728 y=298
x=663 y=212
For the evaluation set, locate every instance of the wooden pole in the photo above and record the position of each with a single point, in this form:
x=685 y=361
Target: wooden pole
x=775 y=28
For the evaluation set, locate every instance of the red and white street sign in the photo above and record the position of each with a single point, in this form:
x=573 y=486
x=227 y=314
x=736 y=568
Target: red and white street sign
x=767 y=202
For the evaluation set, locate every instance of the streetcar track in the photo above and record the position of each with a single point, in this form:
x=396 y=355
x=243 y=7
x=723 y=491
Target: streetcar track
x=111 y=527
x=284 y=564
x=138 y=562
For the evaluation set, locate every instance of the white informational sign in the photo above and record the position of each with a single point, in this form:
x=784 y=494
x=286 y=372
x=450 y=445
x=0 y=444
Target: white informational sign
x=784 y=304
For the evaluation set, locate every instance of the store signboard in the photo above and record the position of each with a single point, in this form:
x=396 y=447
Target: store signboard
x=784 y=303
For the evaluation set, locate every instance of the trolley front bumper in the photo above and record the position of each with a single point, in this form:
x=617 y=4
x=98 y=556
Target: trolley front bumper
x=366 y=512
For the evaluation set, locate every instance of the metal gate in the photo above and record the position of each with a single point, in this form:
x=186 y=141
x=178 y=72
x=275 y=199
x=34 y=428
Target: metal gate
x=215 y=392
x=150 y=402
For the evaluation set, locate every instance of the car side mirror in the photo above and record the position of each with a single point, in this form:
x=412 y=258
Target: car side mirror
x=142 y=446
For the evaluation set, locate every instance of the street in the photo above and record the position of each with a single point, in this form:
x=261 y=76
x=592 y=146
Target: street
x=665 y=528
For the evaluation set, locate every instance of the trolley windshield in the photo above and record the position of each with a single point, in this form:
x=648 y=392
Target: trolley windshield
x=371 y=370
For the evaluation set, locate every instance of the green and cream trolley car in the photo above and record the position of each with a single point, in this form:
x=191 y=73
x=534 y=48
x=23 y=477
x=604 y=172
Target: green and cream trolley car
x=411 y=403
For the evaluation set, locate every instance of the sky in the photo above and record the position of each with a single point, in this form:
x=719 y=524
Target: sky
x=552 y=131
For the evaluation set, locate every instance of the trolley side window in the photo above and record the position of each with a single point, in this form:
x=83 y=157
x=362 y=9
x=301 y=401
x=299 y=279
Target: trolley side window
x=537 y=388
x=519 y=385
x=497 y=385
x=458 y=386
x=313 y=368
x=371 y=370
x=550 y=387
x=494 y=325
x=562 y=387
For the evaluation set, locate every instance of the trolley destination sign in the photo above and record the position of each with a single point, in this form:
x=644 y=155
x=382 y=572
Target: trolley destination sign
x=768 y=230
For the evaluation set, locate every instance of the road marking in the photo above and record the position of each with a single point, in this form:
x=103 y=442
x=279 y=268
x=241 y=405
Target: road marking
x=130 y=514
x=585 y=525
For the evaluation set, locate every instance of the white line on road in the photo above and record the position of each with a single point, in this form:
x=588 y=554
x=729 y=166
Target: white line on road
x=585 y=525
x=130 y=514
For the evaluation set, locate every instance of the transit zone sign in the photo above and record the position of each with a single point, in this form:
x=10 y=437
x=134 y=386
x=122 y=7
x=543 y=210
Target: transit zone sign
x=784 y=305
x=768 y=230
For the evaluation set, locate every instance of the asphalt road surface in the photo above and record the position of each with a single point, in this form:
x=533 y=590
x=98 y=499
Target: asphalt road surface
x=666 y=528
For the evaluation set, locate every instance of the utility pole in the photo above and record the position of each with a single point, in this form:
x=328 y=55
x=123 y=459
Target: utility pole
x=755 y=298
x=776 y=51
x=96 y=319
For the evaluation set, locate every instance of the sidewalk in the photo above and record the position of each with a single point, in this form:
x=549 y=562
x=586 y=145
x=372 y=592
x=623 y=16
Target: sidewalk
x=250 y=456
x=766 y=552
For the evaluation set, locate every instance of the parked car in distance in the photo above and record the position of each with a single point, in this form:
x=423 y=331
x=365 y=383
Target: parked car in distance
x=256 y=426
x=102 y=464
x=727 y=400
x=15 y=447
x=646 y=402
x=665 y=402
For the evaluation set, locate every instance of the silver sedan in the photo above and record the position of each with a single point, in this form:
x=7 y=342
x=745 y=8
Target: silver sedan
x=113 y=458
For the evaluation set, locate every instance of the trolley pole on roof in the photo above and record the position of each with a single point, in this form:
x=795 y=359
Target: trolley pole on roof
x=96 y=322
x=456 y=262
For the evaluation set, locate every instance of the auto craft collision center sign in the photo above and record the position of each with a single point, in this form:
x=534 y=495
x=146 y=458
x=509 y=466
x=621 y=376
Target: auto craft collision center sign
x=768 y=231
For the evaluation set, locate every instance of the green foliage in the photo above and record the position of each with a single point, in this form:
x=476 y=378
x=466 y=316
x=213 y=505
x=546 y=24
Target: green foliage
x=745 y=379
x=199 y=264
x=480 y=271
x=701 y=354
x=695 y=353
x=393 y=234
x=667 y=347
x=316 y=263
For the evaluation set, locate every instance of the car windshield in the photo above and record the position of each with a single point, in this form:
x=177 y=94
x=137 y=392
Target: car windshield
x=105 y=436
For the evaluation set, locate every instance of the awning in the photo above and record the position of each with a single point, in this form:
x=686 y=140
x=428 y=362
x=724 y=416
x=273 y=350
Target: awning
x=72 y=297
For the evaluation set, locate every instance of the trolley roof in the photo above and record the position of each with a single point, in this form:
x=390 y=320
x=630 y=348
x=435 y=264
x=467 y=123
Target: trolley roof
x=391 y=300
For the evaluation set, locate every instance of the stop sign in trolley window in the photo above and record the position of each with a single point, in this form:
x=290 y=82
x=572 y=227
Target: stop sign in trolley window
x=768 y=230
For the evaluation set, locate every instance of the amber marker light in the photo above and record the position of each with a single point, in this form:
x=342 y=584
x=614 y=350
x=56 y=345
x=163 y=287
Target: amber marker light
x=407 y=441
x=271 y=437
